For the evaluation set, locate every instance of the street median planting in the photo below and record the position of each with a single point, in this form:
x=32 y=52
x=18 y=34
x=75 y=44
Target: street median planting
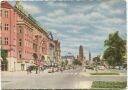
x=104 y=73
x=109 y=84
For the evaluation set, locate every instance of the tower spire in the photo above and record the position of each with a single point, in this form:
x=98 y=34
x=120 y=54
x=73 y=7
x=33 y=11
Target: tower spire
x=89 y=56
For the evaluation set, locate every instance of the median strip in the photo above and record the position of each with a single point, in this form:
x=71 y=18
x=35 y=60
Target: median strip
x=104 y=73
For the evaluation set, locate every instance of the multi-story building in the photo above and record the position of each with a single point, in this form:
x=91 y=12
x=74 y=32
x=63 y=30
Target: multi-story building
x=57 y=52
x=8 y=33
x=69 y=58
x=25 y=41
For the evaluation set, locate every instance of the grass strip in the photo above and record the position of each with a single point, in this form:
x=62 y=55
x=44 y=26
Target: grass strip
x=104 y=73
x=109 y=84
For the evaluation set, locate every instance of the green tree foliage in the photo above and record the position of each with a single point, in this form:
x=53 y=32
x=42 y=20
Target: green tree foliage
x=115 y=49
x=66 y=62
x=96 y=60
x=77 y=62
x=4 y=55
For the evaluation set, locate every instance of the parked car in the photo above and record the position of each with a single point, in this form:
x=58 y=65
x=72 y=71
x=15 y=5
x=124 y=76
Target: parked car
x=90 y=67
x=116 y=67
x=50 y=70
x=101 y=67
x=66 y=68
x=55 y=69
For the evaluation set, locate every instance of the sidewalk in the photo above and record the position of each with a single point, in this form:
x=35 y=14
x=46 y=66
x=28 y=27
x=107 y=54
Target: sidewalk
x=24 y=73
x=84 y=84
x=18 y=73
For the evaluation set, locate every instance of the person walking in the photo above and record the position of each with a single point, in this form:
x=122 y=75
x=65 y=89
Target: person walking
x=36 y=69
x=28 y=69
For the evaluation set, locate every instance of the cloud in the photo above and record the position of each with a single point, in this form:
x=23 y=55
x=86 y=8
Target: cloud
x=57 y=4
x=56 y=13
x=84 y=23
x=31 y=8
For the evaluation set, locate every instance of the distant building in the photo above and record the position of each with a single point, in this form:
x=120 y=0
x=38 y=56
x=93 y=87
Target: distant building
x=90 y=59
x=89 y=56
x=70 y=59
x=57 y=51
x=81 y=54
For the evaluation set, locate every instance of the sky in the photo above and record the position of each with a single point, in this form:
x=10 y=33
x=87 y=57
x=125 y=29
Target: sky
x=80 y=22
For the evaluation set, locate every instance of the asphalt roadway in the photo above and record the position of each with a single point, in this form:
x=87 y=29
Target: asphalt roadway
x=70 y=79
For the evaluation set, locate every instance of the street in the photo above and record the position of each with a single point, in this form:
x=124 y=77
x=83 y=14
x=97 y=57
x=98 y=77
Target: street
x=69 y=79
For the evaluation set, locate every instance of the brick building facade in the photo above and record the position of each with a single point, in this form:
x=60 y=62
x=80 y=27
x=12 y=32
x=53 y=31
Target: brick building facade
x=25 y=41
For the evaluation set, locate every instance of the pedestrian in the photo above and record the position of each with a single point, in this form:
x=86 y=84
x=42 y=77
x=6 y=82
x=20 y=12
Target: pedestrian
x=29 y=70
x=61 y=69
x=36 y=69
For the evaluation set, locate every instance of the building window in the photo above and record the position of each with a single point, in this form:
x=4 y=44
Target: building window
x=6 y=41
x=35 y=47
x=6 y=14
x=20 y=29
x=6 y=27
x=20 y=42
x=20 y=56
x=0 y=26
x=43 y=49
x=1 y=13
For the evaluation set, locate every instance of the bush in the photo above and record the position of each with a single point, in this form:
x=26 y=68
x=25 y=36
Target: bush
x=4 y=54
x=108 y=84
x=104 y=73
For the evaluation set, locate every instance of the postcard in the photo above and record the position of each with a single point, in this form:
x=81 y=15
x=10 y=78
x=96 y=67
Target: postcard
x=63 y=44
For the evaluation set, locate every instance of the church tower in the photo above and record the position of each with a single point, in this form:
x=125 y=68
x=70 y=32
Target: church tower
x=81 y=54
x=89 y=56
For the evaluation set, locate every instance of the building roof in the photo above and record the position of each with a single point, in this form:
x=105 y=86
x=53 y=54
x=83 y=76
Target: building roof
x=5 y=4
x=57 y=43
x=68 y=57
x=32 y=20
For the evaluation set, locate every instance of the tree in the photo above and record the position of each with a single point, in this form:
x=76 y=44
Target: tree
x=4 y=54
x=77 y=62
x=96 y=62
x=66 y=62
x=115 y=49
x=62 y=63
x=4 y=62
x=96 y=59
